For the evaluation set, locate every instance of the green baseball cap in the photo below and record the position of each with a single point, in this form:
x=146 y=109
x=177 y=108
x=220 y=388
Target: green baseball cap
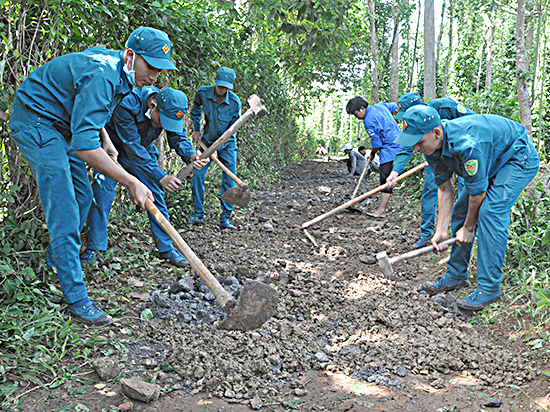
x=225 y=77
x=172 y=105
x=405 y=102
x=418 y=121
x=153 y=45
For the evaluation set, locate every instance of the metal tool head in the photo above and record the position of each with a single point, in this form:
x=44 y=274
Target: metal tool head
x=384 y=263
x=237 y=196
x=257 y=105
x=257 y=303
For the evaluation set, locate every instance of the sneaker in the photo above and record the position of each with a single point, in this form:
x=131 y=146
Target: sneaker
x=176 y=258
x=226 y=224
x=196 y=220
x=89 y=312
x=445 y=284
x=422 y=241
x=90 y=256
x=478 y=299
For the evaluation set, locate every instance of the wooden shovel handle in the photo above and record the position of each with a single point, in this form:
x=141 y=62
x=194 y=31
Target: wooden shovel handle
x=228 y=172
x=363 y=173
x=421 y=251
x=186 y=171
x=363 y=196
x=223 y=298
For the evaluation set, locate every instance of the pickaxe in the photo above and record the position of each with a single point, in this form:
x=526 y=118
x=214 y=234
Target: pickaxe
x=257 y=301
x=236 y=195
x=363 y=196
x=385 y=263
x=256 y=108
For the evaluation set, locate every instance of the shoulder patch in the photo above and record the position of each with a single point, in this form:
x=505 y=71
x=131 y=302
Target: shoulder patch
x=471 y=167
x=461 y=108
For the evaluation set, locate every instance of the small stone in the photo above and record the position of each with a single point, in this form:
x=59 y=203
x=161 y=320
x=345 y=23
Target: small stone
x=300 y=392
x=263 y=219
x=255 y=403
x=267 y=227
x=106 y=368
x=401 y=371
x=150 y=363
x=424 y=372
x=438 y=384
x=321 y=356
x=229 y=393
x=138 y=389
x=127 y=406
x=135 y=282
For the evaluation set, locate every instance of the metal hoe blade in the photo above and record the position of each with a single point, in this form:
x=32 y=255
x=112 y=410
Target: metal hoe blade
x=257 y=303
x=237 y=196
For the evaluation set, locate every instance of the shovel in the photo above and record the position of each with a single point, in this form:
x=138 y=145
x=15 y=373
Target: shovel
x=236 y=195
x=257 y=301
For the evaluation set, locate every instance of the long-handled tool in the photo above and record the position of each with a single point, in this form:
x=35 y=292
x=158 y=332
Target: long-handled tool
x=363 y=173
x=257 y=301
x=236 y=195
x=256 y=108
x=385 y=263
x=363 y=196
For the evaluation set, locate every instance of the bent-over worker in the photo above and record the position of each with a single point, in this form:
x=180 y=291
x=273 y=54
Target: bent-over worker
x=497 y=160
x=56 y=118
x=135 y=126
x=448 y=109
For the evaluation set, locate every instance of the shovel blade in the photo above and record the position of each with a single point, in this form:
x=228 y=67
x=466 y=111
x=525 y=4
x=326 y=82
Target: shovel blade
x=237 y=196
x=256 y=304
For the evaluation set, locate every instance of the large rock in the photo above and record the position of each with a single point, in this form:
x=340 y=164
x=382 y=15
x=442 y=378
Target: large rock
x=106 y=368
x=138 y=389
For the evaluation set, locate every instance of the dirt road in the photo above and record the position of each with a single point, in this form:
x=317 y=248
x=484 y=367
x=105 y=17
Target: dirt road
x=344 y=338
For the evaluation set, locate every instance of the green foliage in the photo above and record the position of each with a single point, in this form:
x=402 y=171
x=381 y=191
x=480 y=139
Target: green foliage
x=527 y=266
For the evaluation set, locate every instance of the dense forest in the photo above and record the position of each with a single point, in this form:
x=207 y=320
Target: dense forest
x=305 y=59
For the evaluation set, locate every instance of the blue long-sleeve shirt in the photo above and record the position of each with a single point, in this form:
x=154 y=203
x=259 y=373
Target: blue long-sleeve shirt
x=476 y=147
x=134 y=135
x=448 y=109
x=78 y=93
x=382 y=130
x=218 y=116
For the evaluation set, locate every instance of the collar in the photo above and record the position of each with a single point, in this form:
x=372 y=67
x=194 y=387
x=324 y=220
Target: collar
x=124 y=87
x=210 y=95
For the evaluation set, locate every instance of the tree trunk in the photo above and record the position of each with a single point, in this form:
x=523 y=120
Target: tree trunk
x=429 y=50
x=374 y=52
x=438 y=46
x=489 y=60
x=411 y=75
x=449 y=52
x=522 y=71
x=159 y=143
x=323 y=118
x=537 y=47
x=394 y=73
x=479 y=68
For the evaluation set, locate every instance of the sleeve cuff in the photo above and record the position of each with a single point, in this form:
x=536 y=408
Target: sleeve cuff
x=158 y=174
x=86 y=141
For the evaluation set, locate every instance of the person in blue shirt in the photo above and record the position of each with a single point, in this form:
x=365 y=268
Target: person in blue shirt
x=497 y=160
x=221 y=108
x=382 y=130
x=135 y=126
x=56 y=119
x=448 y=109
